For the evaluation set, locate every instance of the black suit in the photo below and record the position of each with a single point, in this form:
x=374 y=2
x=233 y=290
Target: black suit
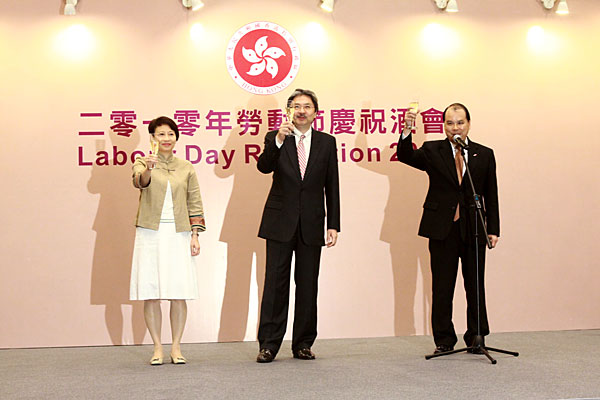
x=293 y=221
x=449 y=240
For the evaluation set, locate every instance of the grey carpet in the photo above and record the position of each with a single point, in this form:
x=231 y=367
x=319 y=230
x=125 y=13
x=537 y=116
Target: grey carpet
x=551 y=365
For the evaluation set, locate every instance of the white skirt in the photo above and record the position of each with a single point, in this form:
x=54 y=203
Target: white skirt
x=162 y=265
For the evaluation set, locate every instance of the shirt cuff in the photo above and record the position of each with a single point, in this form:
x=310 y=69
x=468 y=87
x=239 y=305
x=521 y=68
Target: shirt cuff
x=278 y=143
x=405 y=133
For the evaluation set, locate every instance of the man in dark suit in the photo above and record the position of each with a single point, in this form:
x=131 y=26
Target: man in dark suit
x=449 y=222
x=305 y=178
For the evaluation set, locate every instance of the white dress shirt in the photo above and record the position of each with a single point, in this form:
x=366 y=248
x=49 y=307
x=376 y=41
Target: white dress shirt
x=465 y=155
x=297 y=134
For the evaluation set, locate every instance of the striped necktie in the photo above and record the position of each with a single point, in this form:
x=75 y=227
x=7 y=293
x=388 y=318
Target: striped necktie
x=301 y=156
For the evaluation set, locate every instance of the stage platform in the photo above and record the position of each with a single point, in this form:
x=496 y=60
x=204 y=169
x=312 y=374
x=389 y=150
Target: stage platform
x=551 y=365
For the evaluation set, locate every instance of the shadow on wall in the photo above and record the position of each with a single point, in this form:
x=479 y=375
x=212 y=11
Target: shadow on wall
x=408 y=252
x=115 y=232
x=241 y=222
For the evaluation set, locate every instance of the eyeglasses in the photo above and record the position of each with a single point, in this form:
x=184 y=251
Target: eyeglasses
x=305 y=107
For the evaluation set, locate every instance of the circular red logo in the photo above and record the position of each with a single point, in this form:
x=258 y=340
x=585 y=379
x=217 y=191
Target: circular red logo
x=263 y=58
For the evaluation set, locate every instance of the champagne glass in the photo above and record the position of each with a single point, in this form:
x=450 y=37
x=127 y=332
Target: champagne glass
x=289 y=111
x=413 y=107
x=153 y=147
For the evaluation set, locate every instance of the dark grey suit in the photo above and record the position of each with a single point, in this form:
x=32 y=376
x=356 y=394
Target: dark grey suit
x=293 y=221
x=449 y=240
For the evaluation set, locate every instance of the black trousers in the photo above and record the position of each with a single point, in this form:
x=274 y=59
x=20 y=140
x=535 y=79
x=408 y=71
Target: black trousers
x=444 y=268
x=274 y=306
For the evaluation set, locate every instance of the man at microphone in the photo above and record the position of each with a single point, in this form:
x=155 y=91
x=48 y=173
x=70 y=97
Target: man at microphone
x=448 y=219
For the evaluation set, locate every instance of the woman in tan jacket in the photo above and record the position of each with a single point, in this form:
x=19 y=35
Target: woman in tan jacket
x=169 y=218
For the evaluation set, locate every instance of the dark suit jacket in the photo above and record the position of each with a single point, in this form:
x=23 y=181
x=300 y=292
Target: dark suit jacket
x=436 y=159
x=292 y=200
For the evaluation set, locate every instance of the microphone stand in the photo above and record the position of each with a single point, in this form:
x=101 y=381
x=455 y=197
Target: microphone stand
x=477 y=347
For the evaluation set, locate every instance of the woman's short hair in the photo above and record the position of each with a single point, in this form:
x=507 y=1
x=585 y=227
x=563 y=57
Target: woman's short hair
x=156 y=122
x=304 y=92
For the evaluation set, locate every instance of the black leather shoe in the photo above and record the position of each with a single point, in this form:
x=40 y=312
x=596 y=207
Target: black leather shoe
x=304 y=354
x=442 y=348
x=265 y=356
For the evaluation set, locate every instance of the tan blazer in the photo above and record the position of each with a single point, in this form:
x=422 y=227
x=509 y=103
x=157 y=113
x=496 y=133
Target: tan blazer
x=187 y=202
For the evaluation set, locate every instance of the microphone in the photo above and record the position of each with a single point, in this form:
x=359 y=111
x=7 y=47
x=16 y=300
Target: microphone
x=458 y=140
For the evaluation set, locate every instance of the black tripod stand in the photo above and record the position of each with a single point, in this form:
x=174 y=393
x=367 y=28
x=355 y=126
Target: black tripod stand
x=477 y=347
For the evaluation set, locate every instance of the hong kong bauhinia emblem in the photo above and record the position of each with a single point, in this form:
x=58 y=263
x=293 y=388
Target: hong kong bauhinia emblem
x=263 y=58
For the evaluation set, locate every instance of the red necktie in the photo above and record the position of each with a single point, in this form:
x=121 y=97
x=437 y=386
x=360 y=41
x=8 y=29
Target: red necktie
x=458 y=162
x=301 y=156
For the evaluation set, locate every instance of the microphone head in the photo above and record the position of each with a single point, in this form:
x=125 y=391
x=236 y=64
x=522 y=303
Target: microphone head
x=459 y=141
